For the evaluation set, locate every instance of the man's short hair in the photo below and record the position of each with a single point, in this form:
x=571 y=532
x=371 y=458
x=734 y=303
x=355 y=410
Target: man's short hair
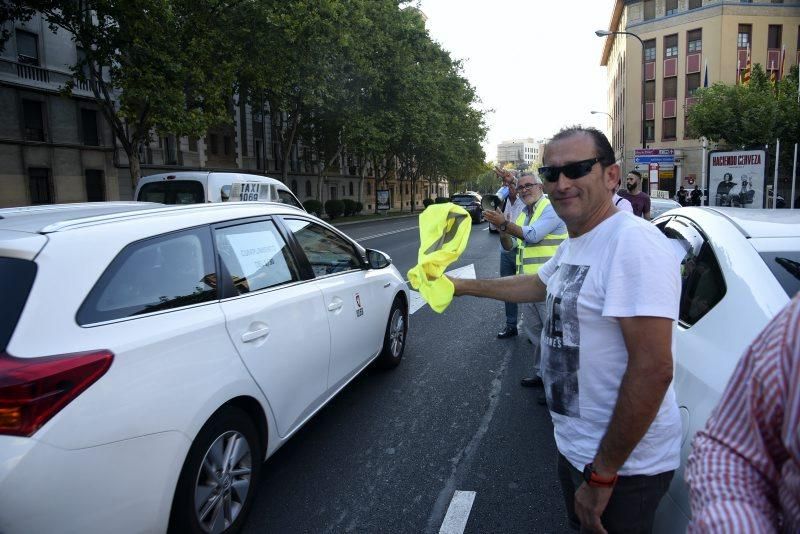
x=636 y=173
x=604 y=150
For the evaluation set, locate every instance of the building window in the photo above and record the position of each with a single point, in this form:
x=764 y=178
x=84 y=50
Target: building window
x=774 y=36
x=671 y=46
x=27 y=48
x=777 y=1
x=650 y=130
x=33 y=120
x=743 y=37
x=650 y=50
x=308 y=188
x=294 y=187
x=41 y=187
x=650 y=91
x=668 y=128
x=192 y=144
x=170 y=151
x=671 y=7
x=226 y=144
x=694 y=4
x=351 y=189
x=649 y=9
x=369 y=188
x=694 y=41
x=213 y=143
x=95 y=186
x=91 y=136
x=670 y=88
x=692 y=83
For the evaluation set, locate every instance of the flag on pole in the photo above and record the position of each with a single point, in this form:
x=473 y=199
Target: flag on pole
x=773 y=74
x=747 y=68
x=705 y=74
x=783 y=62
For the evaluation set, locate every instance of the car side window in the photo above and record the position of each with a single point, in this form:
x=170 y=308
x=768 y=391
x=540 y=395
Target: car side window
x=287 y=198
x=255 y=256
x=327 y=252
x=156 y=274
x=702 y=282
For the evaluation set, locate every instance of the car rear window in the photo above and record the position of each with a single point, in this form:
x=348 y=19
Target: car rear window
x=785 y=266
x=464 y=200
x=173 y=192
x=16 y=280
x=287 y=198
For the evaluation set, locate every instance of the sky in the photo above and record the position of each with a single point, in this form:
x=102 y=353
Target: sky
x=535 y=63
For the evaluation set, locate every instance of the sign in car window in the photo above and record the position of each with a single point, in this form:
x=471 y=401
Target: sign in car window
x=254 y=256
x=249 y=191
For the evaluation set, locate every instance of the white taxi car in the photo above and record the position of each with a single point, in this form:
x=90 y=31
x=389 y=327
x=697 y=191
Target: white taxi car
x=152 y=357
x=740 y=268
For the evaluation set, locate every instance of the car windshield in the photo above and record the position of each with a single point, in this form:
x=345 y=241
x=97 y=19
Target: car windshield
x=785 y=266
x=464 y=200
x=16 y=279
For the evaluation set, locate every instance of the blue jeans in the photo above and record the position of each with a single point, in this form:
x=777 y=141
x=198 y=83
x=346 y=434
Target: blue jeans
x=508 y=267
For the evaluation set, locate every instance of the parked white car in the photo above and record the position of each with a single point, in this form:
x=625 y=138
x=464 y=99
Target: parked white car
x=152 y=357
x=193 y=187
x=741 y=267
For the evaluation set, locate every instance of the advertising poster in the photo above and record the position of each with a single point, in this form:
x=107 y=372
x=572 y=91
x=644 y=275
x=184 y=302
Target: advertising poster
x=736 y=179
x=382 y=199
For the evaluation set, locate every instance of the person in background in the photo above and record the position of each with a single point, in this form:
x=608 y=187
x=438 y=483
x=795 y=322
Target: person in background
x=682 y=196
x=511 y=208
x=639 y=200
x=744 y=470
x=696 y=196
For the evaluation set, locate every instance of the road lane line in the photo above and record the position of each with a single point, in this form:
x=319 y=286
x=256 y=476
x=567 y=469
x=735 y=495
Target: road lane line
x=457 y=514
x=387 y=233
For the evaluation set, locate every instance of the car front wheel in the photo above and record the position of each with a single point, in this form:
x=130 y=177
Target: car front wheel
x=394 y=339
x=217 y=484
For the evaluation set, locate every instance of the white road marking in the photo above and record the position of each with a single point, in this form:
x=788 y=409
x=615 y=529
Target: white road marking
x=387 y=233
x=417 y=302
x=455 y=521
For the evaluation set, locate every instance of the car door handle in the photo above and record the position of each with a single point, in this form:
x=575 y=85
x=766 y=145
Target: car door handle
x=252 y=335
x=336 y=304
x=387 y=284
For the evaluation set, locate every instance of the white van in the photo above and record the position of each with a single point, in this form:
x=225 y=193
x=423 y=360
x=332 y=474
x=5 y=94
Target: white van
x=195 y=187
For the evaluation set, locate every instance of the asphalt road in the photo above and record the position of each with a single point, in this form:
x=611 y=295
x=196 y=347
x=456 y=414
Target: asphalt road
x=390 y=451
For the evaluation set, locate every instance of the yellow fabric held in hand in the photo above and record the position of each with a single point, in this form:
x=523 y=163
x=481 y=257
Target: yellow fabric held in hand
x=443 y=235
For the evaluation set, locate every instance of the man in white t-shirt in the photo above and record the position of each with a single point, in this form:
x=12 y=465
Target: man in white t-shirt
x=612 y=292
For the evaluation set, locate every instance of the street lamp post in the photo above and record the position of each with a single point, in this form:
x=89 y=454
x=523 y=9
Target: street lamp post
x=605 y=33
x=603 y=113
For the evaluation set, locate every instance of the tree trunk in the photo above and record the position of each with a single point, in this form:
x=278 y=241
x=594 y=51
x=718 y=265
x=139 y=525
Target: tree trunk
x=134 y=166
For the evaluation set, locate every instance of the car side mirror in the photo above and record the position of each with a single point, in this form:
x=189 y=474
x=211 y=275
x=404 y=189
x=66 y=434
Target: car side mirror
x=491 y=202
x=378 y=259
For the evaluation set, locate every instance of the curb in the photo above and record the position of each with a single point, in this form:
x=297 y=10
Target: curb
x=377 y=218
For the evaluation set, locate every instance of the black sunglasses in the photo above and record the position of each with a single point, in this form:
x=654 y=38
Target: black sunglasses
x=576 y=170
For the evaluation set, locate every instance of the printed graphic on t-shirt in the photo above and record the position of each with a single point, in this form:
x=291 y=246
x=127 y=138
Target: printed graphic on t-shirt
x=561 y=340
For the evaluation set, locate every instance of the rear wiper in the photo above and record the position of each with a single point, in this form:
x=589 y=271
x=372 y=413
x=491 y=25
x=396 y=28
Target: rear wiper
x=792 y=266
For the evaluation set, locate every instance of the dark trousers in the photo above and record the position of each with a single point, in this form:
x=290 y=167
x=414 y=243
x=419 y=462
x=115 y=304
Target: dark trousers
x=633 y=503
x=508 y=267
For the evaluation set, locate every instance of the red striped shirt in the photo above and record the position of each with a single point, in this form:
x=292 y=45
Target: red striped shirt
x=744 y=471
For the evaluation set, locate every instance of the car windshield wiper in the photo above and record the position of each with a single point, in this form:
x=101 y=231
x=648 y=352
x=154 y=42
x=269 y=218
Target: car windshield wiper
x=792 y=266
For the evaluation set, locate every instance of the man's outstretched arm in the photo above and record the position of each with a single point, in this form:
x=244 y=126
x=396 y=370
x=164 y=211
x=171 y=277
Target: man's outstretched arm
x=519 y=288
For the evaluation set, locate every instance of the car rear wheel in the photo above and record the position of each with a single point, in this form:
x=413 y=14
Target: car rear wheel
x=217 y=484
x=394 y=340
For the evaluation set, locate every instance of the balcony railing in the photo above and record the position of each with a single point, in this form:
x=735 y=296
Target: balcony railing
x=42 y=77
x=31 y=72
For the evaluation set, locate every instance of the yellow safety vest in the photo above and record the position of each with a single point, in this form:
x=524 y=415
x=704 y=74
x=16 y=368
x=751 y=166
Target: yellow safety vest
x=531 y=256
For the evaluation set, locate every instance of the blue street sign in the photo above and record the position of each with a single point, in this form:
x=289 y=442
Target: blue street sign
x=654 y=159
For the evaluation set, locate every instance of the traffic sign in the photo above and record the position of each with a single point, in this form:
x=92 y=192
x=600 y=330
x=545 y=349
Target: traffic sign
x=653 y=159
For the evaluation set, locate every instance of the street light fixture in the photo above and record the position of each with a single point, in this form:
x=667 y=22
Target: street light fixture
x=606 y=33
x=603 y=113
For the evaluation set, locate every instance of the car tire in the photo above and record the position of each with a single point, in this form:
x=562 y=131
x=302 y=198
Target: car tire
x=394 y=339
x=228 y=499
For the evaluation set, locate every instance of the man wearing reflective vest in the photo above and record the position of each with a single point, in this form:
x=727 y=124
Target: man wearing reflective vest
x=538 y=232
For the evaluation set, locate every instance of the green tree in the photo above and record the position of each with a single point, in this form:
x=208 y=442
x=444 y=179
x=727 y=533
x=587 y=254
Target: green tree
x=164 y=65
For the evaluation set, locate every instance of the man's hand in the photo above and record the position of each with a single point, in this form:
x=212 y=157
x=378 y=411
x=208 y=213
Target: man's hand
x=590 y=503
x=494 y=217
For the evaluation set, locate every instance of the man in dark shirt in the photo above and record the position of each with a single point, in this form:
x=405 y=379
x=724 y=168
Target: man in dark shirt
x=639 y=200
x=697 y=196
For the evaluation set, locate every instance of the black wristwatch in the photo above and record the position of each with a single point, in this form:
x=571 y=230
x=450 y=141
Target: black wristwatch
x=593 y=479
x=503 y=226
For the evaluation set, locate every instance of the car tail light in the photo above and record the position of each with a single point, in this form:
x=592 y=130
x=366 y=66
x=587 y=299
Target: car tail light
x=33 y=390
